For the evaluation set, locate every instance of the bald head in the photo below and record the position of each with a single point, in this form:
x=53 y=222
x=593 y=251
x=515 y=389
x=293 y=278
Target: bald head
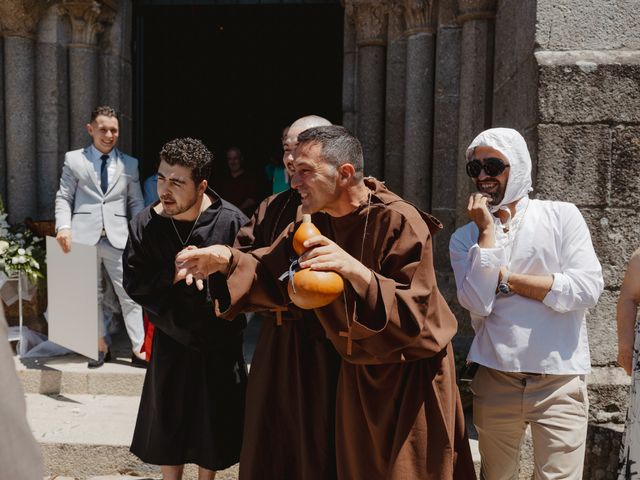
x=305 y=123
x=290 y=141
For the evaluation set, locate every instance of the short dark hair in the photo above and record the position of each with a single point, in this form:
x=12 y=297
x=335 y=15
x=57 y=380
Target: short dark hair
x=338 y=146
x=190 y=153
x=104 y=110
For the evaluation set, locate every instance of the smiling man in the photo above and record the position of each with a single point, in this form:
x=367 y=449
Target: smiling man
x=192 y=403
x=99 y=191
x=526 y=271
x=398 y=411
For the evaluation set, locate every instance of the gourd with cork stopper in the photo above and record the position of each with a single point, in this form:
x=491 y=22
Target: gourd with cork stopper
x=308 y=288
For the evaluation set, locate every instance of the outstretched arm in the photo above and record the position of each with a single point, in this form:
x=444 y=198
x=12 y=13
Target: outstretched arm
x=627 y=310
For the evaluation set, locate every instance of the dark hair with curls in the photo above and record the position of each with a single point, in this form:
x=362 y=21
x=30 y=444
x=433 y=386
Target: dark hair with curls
x=338 y=146
x=190 y=153
x=104 y=110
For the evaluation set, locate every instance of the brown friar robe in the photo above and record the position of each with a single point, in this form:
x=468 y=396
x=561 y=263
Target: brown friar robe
x=399 y=414
x=289 y=425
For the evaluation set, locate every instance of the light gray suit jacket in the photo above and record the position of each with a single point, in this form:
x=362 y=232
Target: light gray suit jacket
x=81 y=204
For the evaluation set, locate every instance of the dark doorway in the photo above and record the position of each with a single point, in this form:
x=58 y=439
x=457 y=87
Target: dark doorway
x=233 y=75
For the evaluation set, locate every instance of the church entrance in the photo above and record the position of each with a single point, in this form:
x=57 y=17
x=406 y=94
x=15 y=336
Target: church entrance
x=233 y=75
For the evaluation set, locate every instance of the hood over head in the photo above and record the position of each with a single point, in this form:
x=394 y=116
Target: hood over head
x=513 y=146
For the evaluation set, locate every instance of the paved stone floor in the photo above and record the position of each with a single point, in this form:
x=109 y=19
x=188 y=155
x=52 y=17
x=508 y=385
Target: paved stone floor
x=84 y=419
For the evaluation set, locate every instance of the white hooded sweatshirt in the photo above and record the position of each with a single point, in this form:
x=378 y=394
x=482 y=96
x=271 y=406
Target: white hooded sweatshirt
x=511 y=144
x=514 y=333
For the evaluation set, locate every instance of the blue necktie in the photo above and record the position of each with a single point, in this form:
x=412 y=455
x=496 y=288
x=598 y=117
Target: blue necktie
x=104 y=178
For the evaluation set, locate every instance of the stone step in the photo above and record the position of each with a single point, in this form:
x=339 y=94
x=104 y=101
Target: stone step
x=69 y=374
x=87 y=436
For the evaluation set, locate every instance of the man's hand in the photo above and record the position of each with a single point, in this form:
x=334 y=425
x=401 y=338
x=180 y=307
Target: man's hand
x=324 y=254
x=63 y=238
x=183 y=274
x=196 y=264
x=478 y=211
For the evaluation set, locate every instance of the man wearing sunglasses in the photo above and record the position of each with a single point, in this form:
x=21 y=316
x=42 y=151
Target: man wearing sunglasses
x=526 y=271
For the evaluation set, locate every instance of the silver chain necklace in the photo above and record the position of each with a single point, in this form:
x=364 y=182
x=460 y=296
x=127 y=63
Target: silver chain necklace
x=184 y=244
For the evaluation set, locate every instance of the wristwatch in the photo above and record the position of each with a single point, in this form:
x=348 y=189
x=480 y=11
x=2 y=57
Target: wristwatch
x=503 y=285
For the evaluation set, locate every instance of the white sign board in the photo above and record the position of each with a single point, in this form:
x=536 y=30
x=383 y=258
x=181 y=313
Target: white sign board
x=72 y=286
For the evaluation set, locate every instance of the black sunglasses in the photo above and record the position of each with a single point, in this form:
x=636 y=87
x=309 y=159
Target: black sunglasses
x=491 y=166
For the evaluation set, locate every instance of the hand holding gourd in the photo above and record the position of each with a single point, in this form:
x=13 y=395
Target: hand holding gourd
x=313 y=288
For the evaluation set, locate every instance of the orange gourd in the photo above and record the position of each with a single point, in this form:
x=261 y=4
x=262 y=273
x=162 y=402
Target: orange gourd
x=313 y=289
x=305 y=231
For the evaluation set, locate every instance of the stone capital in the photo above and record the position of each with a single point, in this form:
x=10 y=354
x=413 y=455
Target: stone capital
x=476 y=9
x=88 y=19
x=396 y=28
x=20 y=18
x=370 y=18
x=421 y=16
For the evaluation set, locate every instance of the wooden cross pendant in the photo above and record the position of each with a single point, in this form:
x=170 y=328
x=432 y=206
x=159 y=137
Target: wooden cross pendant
x=349 y=340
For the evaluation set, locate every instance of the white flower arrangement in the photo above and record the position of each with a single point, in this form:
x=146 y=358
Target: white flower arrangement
x=20 y=250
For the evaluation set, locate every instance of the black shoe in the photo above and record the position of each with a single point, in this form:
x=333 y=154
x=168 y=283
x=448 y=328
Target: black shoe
x=138 y=362
x=102 y=357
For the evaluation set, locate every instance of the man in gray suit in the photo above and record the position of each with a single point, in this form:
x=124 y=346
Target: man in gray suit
x=99 y=191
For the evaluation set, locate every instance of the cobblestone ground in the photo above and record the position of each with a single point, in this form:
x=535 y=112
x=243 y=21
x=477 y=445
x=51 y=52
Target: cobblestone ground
x=189 y=474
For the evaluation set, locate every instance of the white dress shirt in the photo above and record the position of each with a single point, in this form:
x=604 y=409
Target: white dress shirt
x=96 y=161
x=519 y=334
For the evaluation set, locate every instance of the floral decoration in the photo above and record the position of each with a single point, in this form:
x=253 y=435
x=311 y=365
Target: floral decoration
x=20 y=250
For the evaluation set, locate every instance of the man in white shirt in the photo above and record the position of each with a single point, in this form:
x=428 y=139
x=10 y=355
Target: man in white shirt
x=99 y=191
x=526 y=271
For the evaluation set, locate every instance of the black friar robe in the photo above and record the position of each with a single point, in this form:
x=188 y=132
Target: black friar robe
x=192 y=404
x=398 y=409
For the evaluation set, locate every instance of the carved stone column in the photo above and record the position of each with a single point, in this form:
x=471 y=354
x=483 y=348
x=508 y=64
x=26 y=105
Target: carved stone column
x=476 y=85
x=349 y=74
x=18 y=21
x=421 y=21
x=3 y=158
x=370 y=18
x=445 y=118
x=84 y=16
x=115 y=76
x=395 y=97
x=52 y=107
x=445 y=158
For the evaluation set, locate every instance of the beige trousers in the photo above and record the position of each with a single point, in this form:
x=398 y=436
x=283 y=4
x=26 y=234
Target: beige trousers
x=556 y=407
